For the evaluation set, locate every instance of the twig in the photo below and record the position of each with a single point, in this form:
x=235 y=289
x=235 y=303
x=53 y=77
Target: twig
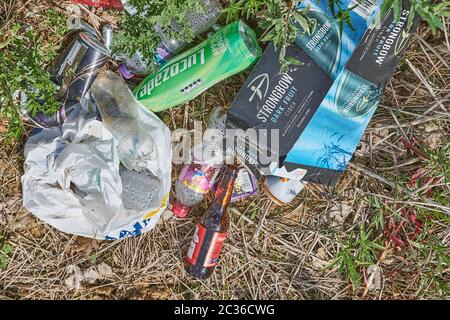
x=396 y=186
x=446 y=34
x=275 y=237
x=424 y=82
x=370 y=280
x=426 y=44
x=261 y=221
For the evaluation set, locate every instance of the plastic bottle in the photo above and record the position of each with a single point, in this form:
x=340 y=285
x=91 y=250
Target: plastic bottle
x=197 y=179
x=210 y=151
x=198 y=22
x=194 y=182
x=138 y=189
x=118 y=109
x=211 y=232
x=230 y=50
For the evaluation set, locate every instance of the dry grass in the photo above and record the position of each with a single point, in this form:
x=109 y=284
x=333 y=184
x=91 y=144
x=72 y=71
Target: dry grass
x=273 y=252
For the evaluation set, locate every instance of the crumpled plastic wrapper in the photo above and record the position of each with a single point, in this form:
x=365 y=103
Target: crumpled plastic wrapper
x=72 y=179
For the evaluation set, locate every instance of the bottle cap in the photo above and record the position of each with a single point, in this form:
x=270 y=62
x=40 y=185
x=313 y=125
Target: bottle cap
x=180 y=210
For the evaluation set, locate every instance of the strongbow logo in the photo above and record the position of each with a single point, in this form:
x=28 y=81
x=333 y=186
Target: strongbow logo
x=263 y=83
x=355 y=97
x=397 y=36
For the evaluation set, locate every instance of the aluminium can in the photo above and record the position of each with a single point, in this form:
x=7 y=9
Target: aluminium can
x=282 y=190
x=73 y=72
x=76 y=68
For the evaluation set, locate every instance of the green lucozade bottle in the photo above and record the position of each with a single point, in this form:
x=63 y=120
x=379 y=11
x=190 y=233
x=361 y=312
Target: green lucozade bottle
x=229 y=51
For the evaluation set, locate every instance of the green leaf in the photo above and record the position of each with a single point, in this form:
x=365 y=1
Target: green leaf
x=397 y=9
x=268 y=37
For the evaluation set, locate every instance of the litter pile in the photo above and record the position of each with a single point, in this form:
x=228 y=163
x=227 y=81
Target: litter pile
x=101 y=166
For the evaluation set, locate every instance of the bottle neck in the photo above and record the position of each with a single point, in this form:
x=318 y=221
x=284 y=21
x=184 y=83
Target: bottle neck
x=224 y=189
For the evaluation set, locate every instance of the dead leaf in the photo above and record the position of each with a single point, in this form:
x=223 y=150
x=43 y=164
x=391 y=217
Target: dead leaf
x=91 y=275
x=22 y=220
x=430 y=127
x=338 y=212
x=85 y=245
x=379 y=134
x=373 y=277
x=321 y=253
x=73 y=282
x=152 y=293
x=166 y=215
x=3 y=127
x=105 y=270
x=318 y=263
x=319 y=259
x=11 y=202
x=109 y=18
x=435 y=140
x=363 y=148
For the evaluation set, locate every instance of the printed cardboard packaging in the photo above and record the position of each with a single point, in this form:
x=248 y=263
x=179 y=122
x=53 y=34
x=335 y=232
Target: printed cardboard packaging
x=337 y=89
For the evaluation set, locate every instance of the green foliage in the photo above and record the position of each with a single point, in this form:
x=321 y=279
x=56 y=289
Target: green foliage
x=23 y=58
x=93 y=258
x=430 y=11
x=280 y=20
x=433 y=255
x=5 y=250
x=428 y=251
x=274 y=17
x=347 y=262
x=361 y=250
x=378 y=219
x=138 y=33
x=56 y=21
x=439 y=162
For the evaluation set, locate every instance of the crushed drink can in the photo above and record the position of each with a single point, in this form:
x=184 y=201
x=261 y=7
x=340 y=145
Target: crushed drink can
x=73 y=72
x=231 y=50
x=282 y=190
x=76 y=68
x=79 y=25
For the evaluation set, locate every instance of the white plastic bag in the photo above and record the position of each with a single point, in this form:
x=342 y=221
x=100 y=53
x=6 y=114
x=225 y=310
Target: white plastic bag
x=72 y=179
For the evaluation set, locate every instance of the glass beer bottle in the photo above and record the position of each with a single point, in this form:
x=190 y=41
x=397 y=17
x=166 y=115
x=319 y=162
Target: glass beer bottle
x=211 y=232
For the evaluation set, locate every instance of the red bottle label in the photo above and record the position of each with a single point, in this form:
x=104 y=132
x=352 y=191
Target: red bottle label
x=116 y=4
x=212 y=257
